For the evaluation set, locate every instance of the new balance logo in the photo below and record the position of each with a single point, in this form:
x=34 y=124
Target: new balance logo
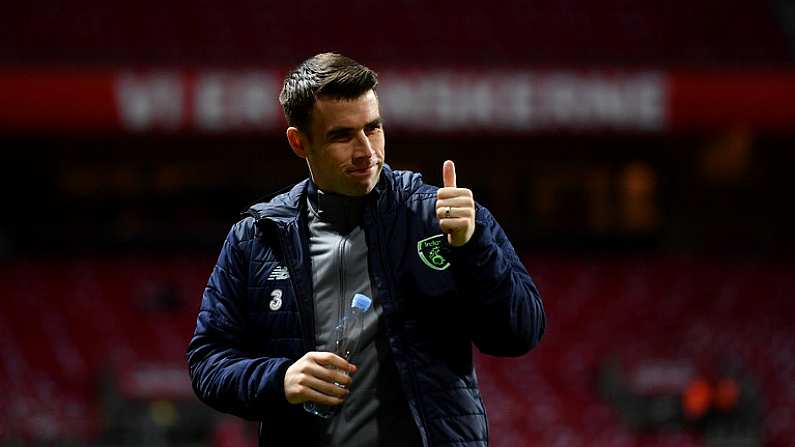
x=280 y=272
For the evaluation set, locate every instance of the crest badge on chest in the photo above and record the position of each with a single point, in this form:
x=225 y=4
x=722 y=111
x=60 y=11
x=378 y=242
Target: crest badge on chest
x=430 y=252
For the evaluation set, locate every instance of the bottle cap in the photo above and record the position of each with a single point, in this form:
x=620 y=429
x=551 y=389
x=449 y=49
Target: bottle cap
x=361 y=302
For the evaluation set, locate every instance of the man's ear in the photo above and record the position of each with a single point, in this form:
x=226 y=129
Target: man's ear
x=298 y=142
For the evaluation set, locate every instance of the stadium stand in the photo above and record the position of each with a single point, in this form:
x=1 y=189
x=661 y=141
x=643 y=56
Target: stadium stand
x=731 y=33
x=93 y=347
x=92 y=317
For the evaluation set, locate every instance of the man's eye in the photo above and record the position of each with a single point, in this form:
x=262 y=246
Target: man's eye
x=373 y=128
x=341 y=138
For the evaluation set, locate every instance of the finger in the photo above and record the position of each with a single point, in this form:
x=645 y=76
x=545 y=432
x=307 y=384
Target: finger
x=300 y=387
x=330 y=389
x=447 y=193
x=330 y=359
x=309 y=394
x=448 y=173
x=455 y=213
x=329 y=375
x=453 y=225
x=456 y=202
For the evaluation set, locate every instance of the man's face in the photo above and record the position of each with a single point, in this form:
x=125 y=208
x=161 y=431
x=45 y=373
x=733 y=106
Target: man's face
x=346 y=149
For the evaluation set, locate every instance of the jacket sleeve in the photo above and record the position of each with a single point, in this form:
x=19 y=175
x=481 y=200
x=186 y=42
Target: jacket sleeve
x=506 y=308
x=224 y=375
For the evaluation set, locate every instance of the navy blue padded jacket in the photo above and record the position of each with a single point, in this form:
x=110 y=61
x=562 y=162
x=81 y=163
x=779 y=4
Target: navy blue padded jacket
x=432 y=312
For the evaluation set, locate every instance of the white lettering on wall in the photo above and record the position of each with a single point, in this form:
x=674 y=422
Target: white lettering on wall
x=524 y=101
x=235 y=101
x=147 y=101
x=450 y=101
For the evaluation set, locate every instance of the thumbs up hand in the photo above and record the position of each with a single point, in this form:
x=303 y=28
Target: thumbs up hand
x=455 y=208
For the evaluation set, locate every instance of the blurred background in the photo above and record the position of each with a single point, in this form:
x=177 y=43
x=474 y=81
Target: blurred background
x=639 y=155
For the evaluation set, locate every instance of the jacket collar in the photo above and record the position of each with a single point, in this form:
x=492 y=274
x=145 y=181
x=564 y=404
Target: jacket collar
x=285 y=207
x=341 y=213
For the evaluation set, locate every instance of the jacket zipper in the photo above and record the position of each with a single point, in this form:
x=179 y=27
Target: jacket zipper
x=341 y=272
x=412 y=373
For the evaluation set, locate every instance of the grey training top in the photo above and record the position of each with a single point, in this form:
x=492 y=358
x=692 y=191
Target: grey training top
x=375 y=413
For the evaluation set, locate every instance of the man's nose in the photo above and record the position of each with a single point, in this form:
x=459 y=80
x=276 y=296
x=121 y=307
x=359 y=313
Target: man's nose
x=362 y=145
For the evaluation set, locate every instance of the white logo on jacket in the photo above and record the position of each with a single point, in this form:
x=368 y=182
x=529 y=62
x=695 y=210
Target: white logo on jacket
x=276 y=299
x=280 y=272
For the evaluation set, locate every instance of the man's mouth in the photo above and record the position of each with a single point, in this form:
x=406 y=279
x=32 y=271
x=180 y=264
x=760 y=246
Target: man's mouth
x=367 y=170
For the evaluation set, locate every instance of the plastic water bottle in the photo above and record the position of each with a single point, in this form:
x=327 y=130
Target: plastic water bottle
x=348 y=333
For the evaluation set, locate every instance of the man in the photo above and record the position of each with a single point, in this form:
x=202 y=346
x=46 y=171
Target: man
x=440 y=270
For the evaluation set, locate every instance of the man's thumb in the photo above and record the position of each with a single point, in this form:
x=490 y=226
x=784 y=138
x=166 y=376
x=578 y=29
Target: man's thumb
x=448 y=174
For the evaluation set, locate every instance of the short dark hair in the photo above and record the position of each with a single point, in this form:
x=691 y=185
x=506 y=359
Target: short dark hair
x=329 y=75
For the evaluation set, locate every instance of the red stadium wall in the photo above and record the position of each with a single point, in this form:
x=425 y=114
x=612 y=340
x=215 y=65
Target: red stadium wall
x=461 y=101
